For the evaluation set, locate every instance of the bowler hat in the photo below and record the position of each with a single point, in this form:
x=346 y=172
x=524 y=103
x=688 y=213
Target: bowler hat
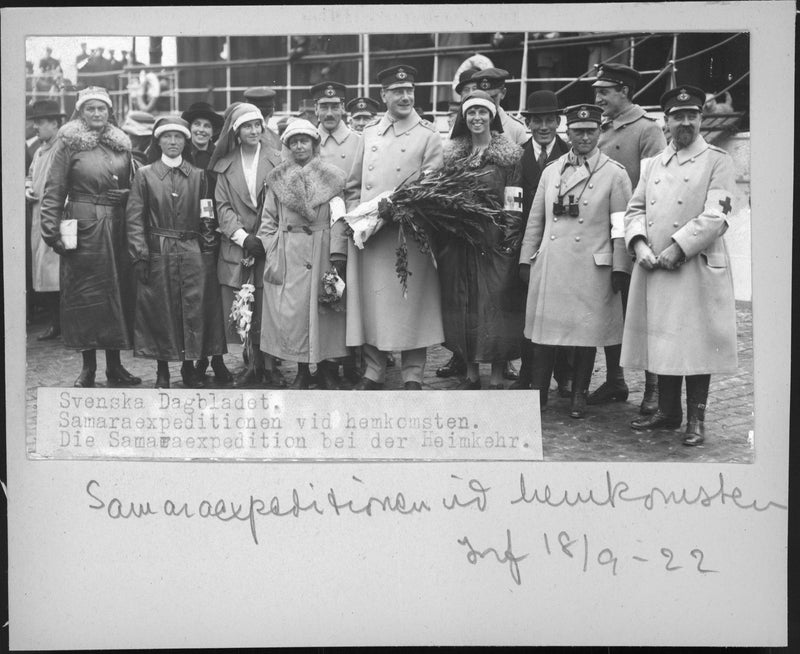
x=203 y=110
x=541 y=102
x=45 y=109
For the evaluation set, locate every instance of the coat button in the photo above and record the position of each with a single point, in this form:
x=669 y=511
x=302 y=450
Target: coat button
x=580 y=220
x=657 y=181
x=685 y=179
x=591 y=185
x=370 y=167
x=555 y=220
x=402 y=149
x=680 y=201
x=398 y=169
x=374 y=148
x=552 y=238
x=652 y=201
x=585 y=202
x=577 y=238
x=369 y=186
x=650 y=223
x=288 y=228
x=673 y=224
x=343 y=156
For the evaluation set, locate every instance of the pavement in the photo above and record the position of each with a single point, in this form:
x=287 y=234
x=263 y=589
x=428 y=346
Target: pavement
x=604 y=435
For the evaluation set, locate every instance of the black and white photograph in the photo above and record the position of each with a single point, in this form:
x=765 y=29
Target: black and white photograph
x=244 y=247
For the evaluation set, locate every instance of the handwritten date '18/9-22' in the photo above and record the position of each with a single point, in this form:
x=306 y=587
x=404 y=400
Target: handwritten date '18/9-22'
x=579 y=549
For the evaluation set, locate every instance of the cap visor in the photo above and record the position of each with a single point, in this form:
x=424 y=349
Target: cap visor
x=399 y=85
x=605 y=82
x=587 y=124
x=685 y=106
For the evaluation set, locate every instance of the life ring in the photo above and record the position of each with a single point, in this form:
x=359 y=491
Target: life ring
x=147 y=92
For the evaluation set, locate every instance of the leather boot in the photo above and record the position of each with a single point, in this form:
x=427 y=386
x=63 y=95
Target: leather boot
x=649 y=403
x=327 y=379
x=116 y=374
x=614 y=389
x=162 y=375
x=272 y=377
x=563 y=370
x=86 y=378
x=189 y=376
x=541 y=370
x=526 y=356
x=303 y=379
x=221 y=373
x=201 y=366
x=669 y=414
x=253 y=375
x=349 y=370
x=510 y=372
x=453 y=368
x=582 y=371
x=696 y=400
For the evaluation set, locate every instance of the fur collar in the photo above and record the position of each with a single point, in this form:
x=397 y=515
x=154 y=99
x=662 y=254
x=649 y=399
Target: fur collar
x=79 y=137
x=500 y=151
x=304 y=188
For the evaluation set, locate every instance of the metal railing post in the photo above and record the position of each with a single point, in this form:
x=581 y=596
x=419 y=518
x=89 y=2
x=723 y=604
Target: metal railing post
x=228 y=72
x=288 y=74
x=523 y=76
x=435 y=94
x=366 y=65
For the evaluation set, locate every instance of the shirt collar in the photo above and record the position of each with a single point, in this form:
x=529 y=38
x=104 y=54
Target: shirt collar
x=578 y=160
x=698 y=146
x=162 y=169
x=537 y=149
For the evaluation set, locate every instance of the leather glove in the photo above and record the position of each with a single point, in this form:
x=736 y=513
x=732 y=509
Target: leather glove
x=142 y=271
x=524 y=273
x=620 y=281
x=58 y=248
x=340 y=266
x=253 y=247
x=119 y=194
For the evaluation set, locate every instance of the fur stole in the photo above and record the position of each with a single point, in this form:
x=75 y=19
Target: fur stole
x=79 y=137
x=500 y=151
x=304 y=188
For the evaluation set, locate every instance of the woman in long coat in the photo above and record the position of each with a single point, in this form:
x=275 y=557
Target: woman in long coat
x=241 y=163
x=171 y=234
x=483 y=301
x=91 y=169
x=296 y=233
x=572 y=251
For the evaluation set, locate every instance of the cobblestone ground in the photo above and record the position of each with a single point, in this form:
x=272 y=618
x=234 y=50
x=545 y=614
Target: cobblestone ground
x=604 y=435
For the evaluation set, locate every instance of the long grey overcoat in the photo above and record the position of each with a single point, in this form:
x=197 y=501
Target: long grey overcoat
x=682 y=322
x=570 y=299
x=377 y=314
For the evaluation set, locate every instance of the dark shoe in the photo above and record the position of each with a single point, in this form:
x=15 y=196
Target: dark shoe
x=274 y=378
x=189 y=376
x=366 y=384
x=469 y=385
x=496 y=387
x=162 y=380
x=695 y=432
x=542 y=397
x=52 y=332
x=118 y=376
x=510 y=372
x=412 y=386
x=608 y=392
x=249 y=378
x=201 y=366
x=452 y=368
x=520 y=384
x=85 y=379
x=390 y=360
x=650 y=400
x=221 y=373
x=565 y=389
x=302 y=381
x=350 y=374
x=577 y=408
x=657 y=421
x=327 y=379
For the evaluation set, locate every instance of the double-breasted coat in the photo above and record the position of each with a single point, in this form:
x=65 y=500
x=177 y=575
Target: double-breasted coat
x=44 y=261
x=683 y=321
x=389 y=152
x=570 y=298
x=236 y=210
x=483 y=299
x=531 y=173
x=295 y=230
x=96 y=284
x=631 y=137
x=338 y=147
x=179 y=310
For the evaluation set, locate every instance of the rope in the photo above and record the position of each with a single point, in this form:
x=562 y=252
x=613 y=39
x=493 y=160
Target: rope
x=669 y=67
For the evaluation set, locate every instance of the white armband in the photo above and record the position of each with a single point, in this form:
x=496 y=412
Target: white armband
x=618 y=224
x=337 y=208
x=239 y=236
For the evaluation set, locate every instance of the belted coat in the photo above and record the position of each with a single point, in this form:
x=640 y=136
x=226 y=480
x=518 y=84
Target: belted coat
x=683 y=321
x=570 y=298
x=97 y=287
x=389 y=152
x=296 y=232
x=179 y=310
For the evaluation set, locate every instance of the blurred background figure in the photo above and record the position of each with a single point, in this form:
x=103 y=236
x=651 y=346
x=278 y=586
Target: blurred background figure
x=138 y=126
x=362 y=110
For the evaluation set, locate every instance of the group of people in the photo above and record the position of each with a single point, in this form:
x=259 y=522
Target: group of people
x=617 y=243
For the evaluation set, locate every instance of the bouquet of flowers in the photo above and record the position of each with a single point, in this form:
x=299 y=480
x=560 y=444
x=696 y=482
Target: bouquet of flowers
x=331 y=291
x=241 y=315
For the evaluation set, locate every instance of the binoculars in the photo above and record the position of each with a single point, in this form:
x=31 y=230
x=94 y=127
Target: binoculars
x=573 y=207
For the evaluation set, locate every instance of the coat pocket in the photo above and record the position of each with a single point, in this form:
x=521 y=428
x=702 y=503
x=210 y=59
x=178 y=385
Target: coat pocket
x=603 y=258
x=274 y=264
x=715 y=259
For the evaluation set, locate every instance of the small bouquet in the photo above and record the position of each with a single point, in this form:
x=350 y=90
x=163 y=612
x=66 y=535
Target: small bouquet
x=364 y=220
x=331 y=291
x=241 y=315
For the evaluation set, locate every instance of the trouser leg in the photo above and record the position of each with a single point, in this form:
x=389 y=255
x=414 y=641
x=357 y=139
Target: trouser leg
x=542 y=369
x=413 y=364
x=696 y=400
x=375 y=362
x=582 y=375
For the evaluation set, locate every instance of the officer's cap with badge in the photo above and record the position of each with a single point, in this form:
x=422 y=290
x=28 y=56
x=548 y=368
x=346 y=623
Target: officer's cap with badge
x=583 y=116
x=464 y=77
x=362 y=107
x=262 y=97
x=683 y=97
x=617 y=75
x=397 y=77
x=329 y=91
x=490 y=78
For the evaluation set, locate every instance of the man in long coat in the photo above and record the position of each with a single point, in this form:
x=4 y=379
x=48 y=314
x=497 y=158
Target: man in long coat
x=627 y=135
x=572 y=249
x=543 y=116
x=682 y=316
x=398 y=146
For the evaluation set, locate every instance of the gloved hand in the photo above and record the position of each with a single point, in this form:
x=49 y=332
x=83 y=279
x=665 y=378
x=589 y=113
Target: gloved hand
x=119 y=194
x=524 y=273
x=340 y=266
x=253 y=247
x=620 y=281
x=142 y=271
x=58 y=248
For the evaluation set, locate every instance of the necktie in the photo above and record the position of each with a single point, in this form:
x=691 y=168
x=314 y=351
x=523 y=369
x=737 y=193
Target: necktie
x=542 y=158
